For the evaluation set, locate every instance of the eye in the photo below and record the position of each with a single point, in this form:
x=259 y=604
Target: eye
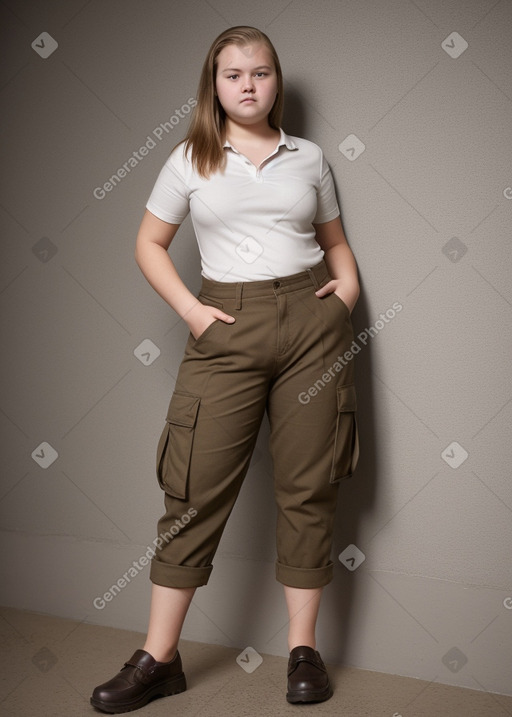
x=231 y=76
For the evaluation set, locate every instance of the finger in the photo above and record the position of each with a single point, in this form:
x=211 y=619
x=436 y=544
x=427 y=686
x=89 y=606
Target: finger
x=324 y=290
x=226 y=318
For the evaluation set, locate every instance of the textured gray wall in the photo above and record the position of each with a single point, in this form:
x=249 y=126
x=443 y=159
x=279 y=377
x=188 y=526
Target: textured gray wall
x=424 y=89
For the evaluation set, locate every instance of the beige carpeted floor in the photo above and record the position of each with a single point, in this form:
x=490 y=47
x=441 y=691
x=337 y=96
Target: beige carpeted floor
x=50 y=665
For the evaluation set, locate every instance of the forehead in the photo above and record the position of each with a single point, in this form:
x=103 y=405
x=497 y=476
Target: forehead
x=244 y=56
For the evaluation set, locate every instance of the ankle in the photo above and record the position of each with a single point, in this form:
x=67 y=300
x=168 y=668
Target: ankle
x=161 y=655
x=304 y=643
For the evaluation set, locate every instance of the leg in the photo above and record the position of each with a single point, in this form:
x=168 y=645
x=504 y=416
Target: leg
x=313 y=447
x=155 y=670
x=308 y=680
x=219 y=417
x=168 y=611
x=303 y=605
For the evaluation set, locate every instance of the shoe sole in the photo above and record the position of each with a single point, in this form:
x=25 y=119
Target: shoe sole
x=307 y=696
x=169 y=687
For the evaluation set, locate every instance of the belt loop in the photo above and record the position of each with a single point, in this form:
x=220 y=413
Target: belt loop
x=238 y=298
x=313 y=278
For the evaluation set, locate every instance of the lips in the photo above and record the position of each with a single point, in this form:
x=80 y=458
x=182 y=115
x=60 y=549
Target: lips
x=248 y=99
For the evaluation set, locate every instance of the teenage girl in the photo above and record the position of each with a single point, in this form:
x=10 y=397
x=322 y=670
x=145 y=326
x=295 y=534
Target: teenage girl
x=267 y=332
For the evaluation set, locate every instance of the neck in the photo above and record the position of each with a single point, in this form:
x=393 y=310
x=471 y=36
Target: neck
x=245 y=133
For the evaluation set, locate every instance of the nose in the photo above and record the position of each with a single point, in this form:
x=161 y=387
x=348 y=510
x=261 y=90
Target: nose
x=248 y=84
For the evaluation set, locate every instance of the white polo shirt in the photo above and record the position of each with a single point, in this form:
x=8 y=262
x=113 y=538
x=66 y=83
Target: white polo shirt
x=251 y=223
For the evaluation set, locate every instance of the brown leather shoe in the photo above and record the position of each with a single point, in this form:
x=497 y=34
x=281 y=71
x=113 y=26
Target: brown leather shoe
x=139 y=680
x=308 y=680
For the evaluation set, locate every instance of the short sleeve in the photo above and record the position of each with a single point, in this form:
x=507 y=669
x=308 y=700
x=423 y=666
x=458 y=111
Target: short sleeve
x=327 y=205
x=169 y=199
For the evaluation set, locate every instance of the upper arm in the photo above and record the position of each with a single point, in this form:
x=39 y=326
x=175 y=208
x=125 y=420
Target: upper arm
x=156 y=231
x=329 y=234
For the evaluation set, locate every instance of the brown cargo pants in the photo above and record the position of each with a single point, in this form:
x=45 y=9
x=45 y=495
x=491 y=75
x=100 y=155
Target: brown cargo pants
x=288 y=353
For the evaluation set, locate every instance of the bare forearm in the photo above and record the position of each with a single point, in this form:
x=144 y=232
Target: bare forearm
x=159 y=270
x=342 y=265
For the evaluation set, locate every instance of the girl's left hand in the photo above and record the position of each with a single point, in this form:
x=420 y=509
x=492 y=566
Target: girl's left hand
x=335 y=286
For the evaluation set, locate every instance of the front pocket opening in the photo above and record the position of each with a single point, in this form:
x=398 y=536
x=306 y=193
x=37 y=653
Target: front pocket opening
x=340 y=302
x=346 y=439
x=207 y=301
x=175 y=445
x=206 y=331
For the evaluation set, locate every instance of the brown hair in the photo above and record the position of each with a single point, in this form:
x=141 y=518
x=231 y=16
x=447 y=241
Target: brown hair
x=205 y=135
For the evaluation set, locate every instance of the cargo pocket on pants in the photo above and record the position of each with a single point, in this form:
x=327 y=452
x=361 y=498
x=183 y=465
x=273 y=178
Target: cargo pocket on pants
x=346 y=439
x=175 y=445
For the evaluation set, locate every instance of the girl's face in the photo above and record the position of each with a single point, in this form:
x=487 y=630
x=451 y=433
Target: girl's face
x=246 y=82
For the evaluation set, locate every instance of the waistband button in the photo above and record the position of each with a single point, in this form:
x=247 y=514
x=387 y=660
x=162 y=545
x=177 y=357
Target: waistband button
x=277 y=284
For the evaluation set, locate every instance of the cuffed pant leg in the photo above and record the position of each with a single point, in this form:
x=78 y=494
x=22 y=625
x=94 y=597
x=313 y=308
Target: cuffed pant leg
x=304 y=577
x=182 y=576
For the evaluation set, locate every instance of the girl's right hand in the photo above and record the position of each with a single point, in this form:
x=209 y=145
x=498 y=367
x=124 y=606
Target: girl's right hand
x=202 y=315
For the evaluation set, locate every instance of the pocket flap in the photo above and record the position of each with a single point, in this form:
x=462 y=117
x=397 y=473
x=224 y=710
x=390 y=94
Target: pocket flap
x=347 y=398
x=183 y=410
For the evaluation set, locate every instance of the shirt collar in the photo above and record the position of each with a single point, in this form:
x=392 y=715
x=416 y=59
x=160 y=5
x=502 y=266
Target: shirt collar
x=284 y=139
